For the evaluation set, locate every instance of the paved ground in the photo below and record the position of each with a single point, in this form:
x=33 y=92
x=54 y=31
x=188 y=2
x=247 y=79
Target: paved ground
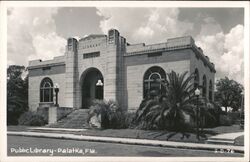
x=229 y=136
x=135 y=133
x=146 y=142
x=62 y=147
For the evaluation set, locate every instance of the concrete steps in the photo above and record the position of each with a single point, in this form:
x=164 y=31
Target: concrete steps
x=76 y=119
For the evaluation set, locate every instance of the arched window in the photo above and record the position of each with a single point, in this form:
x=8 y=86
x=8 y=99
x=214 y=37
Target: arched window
x=204 y=86
x=210 y=90
x=46 y=90
x=196 y=78
x=152 y=81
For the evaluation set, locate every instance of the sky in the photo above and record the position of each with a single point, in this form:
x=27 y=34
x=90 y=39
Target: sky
x=41 y=32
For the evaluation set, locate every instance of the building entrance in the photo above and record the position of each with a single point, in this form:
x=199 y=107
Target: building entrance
x=92 y=87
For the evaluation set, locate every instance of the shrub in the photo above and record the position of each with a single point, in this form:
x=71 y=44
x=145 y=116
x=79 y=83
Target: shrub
x=225 y=120
x=44 y=112
x=235 y=116
x=143 y=118
x=112 y=116
x=128 y=120
x=31 y=119
x=211 y=121
x=212 y=115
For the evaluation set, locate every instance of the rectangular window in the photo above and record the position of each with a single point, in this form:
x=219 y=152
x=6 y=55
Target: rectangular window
x=155 y=54
x=91 y=55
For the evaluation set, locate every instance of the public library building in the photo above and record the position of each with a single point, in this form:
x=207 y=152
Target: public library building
x=107 y=67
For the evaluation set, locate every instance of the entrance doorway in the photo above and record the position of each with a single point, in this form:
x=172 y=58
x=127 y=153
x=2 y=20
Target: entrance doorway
x=92 y=87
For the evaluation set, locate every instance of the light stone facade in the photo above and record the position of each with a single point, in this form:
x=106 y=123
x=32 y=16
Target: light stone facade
x=120 y=66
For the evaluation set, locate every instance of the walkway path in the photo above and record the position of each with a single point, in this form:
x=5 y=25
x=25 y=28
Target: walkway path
x=226 y=138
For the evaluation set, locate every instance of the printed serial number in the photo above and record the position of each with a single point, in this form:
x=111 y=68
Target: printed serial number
x=224 y=151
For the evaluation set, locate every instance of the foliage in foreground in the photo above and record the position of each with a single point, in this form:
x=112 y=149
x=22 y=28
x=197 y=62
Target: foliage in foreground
x=176 y=110
x=31 y=119
x=110 y=114
x=17 y=93
x=228 y=93
x=170 y=110
x=209 y=113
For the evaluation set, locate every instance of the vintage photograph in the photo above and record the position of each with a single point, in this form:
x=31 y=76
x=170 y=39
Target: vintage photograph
x=93 y=81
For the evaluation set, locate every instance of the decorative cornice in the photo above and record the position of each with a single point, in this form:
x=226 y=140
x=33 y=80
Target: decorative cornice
x=146 y=51
x=198 y=52
x=45 y=65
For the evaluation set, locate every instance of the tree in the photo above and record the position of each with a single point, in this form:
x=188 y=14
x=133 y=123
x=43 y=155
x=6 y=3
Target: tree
x=228 y=93
x=168 y=112
x=17 y=93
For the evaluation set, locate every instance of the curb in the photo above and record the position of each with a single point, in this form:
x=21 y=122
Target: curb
x=145 y=142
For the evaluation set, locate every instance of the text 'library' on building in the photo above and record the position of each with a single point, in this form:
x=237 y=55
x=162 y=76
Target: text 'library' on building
x=108 y=67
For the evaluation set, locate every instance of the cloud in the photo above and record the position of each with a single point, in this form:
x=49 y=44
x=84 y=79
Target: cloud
x=233 y=61
x=149 y=25
x=152 y=25
x=31 y=35
x=224 y=49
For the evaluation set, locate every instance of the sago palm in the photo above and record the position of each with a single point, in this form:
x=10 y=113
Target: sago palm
x=179 y=99
x=168 y=112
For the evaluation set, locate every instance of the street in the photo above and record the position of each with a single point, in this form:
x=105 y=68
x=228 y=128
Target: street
x=32 y=146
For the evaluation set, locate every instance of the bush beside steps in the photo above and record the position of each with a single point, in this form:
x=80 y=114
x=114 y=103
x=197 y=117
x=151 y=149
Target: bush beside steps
x=30 y=118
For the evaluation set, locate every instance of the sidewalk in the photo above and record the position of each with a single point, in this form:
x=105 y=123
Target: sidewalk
x=198 y=146
x=225 y=138
x=228 y=136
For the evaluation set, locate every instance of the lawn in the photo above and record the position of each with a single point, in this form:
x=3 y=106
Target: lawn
x=162 y=135
x=239 y=141
x=142 y=134
x=146 y=134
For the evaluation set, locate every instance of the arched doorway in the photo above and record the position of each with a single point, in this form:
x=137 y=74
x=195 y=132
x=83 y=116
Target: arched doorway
x=91 y=86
